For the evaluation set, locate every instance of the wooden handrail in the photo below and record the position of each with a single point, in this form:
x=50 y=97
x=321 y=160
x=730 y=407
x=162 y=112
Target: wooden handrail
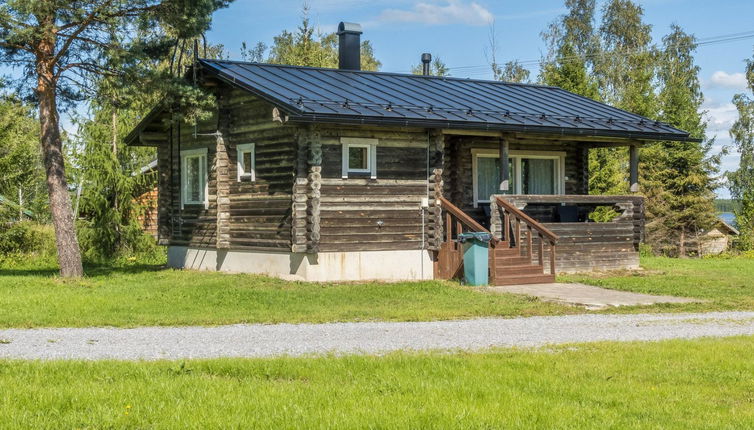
x=462 y=216
x=544 y=231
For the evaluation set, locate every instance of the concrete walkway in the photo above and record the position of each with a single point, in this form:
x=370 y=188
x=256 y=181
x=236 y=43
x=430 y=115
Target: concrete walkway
x=588 y=296
x=150 y=343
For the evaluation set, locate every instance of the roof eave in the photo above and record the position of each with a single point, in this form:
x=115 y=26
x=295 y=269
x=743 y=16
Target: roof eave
x=132 y=138
x=564 y=131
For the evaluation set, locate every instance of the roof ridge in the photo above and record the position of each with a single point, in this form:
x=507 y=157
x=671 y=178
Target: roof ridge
x=408 y=75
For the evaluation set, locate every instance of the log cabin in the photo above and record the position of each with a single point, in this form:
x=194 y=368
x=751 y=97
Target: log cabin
x=340 y=174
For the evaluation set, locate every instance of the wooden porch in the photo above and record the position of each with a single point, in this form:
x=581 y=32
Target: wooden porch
x=537 y=236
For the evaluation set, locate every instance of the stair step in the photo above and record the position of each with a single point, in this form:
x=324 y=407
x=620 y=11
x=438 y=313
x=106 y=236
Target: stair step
x=505 y=252
x=512 y=261
x=526 y=269
x=525 y=279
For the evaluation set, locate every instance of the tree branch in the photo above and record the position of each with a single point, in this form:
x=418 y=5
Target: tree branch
x=125 y=12
x=89 y=67
x=15 y=46
x=83 y=26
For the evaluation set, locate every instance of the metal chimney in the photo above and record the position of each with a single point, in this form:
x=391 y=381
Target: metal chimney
x=426 y=59
x=349 y=46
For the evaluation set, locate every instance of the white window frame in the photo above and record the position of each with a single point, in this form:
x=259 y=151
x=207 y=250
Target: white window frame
x=240 y=168
x=358 y=142
x=201 y=153
x=516 y=156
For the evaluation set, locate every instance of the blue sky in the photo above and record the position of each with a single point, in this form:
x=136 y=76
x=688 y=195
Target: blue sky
x=458 y=31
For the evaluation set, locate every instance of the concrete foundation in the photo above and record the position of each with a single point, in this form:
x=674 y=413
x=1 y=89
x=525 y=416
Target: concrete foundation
x=325 y=266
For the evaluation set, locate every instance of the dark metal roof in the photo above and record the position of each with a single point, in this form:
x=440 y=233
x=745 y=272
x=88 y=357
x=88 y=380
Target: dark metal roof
x=330 y=95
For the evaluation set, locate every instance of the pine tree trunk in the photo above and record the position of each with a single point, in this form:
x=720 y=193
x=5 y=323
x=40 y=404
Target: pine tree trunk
x=682 y=244
x=69 y=255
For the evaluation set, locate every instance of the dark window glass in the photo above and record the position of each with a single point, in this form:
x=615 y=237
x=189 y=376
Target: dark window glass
x=358 y=158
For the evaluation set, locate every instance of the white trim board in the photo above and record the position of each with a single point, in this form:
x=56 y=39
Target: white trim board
x=240 y=150
x=202 y=154
x=359 y=142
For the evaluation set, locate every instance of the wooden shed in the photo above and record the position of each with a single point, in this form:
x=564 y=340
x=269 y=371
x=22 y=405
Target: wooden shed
x=718 y=239
x=341 y=174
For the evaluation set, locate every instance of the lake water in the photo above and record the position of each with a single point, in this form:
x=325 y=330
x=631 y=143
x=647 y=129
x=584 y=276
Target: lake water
x=728 y=217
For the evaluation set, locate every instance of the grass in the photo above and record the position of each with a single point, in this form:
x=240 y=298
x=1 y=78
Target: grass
x=141 y=295
x=135 y=294
x=672 y=385
x=722 y=283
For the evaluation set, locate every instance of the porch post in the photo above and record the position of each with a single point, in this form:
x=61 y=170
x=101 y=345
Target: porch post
x=633 y=155
x=504 y=172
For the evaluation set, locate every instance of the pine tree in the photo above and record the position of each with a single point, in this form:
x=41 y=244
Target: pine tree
x=679 y=177
x=109 y=171
x=568 y=70
x=307 y=47
x=66 y=46
x=741 y=182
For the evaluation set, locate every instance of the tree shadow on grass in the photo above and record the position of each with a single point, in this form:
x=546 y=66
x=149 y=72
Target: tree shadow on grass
x=89 y=270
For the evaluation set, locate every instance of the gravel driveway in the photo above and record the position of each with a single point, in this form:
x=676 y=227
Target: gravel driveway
x=152 y=343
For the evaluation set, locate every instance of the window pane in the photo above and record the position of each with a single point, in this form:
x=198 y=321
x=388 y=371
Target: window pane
x=246 y=161
x=194 y=186
x=538 y=176
x=488 y=177
x=357 y=158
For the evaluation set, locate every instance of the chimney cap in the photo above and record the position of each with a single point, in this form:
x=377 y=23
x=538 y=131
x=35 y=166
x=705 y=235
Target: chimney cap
x=426 y=57
x=349 y=27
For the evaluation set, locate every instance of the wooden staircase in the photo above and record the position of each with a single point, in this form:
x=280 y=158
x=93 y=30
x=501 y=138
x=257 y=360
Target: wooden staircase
x=509 y=267
x=512 y=255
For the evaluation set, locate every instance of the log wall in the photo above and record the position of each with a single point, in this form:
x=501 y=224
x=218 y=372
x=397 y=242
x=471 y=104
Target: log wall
x=360 y=214
x=253 y=215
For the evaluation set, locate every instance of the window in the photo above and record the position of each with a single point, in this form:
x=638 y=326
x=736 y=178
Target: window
x=194 y=177
x=531 y=172
x=359 y=157
x=538 y=176
x=488 y=176
x=246 y=162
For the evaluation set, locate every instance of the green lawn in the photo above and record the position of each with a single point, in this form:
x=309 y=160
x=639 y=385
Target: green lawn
x=31 y=295
x=723 y=283
x=671 y=385
x=141 y=295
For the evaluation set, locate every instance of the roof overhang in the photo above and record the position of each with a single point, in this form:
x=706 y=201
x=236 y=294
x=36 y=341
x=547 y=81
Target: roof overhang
x=464 y=125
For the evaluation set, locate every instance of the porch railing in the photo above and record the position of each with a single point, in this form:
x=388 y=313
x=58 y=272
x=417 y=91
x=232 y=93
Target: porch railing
x=511 y=220
x=450 y=255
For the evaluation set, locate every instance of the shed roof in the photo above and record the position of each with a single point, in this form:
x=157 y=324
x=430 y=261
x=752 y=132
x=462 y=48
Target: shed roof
x=309 y=94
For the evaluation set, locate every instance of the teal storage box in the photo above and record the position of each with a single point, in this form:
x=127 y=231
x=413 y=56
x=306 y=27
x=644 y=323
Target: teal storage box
x=475 y=257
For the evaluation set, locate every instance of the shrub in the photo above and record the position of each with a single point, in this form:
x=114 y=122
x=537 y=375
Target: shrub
x=133 y=242
x=26 y=237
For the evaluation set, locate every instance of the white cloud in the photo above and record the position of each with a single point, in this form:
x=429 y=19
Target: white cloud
x=722 y=79
x=444 y=12
x=720 y=118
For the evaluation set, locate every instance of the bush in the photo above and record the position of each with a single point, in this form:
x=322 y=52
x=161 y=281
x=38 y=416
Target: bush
x=26 y=237
x=132 y=242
